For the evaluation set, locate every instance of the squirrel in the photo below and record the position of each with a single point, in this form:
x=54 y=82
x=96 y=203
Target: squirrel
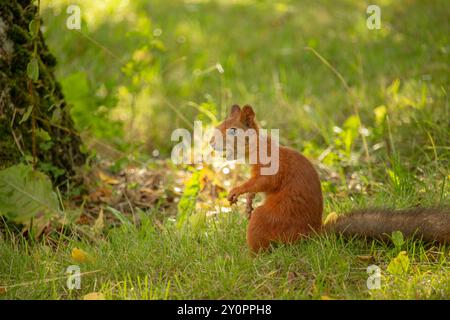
x=294 y=203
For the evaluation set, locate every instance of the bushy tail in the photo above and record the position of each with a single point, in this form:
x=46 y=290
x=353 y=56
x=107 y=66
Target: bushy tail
x=423 y=223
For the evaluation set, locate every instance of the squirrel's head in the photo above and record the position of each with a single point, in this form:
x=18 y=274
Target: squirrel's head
x=239 y=122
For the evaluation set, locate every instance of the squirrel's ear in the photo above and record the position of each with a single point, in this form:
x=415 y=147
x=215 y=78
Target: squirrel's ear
x=248 y=116
x=235 y=109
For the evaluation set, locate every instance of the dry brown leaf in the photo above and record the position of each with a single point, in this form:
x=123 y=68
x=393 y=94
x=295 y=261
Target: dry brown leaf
x=100 y=194
x=292 y=275
x=149 y=195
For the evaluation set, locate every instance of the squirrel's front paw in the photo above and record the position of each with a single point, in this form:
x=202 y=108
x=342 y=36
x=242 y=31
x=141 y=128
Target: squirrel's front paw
x=233 y=196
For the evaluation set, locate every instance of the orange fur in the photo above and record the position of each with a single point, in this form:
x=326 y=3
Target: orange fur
x=294 y=202
x=293 y=205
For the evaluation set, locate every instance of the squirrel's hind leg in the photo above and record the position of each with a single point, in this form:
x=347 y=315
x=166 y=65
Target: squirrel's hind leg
x=264 y=229
x=258 y=232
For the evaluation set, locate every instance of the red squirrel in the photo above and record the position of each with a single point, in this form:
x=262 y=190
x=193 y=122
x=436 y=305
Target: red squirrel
x=294 y=203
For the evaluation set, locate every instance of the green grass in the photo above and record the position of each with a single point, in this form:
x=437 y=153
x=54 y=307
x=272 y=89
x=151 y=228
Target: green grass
x=147 y=83
x=165 y=53
x=159 y=261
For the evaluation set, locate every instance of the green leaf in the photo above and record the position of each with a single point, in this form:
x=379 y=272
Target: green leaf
x=380 y=114
x=393 y=88
x=49 y=167
x=26 y=194
x=399 y=265
x=352 y=122
x=158 y=44
x=119 y=215
x=43 y=135
x=33 y=27
x=46 y=146
x=26 y=114
x=33 y=69
x=397 y=239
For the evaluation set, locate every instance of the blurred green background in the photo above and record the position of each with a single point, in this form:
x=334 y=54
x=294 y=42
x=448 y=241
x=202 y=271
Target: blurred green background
x=139 y=69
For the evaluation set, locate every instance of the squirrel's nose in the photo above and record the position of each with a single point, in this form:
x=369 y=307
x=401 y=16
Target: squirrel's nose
x=212 y=142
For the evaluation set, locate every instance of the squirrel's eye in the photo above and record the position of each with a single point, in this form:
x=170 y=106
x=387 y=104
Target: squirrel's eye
x=232 y=131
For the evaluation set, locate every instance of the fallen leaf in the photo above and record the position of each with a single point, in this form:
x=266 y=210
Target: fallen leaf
x=325 y=297
x=149 y=195
x=3 y=290
x=99 y=223
x=79 y=255
x=101 y=195
x=331 y=217
x=292 y=275
x=94 y=296
x=365 y=258
x=107 y=179
x=399 y=265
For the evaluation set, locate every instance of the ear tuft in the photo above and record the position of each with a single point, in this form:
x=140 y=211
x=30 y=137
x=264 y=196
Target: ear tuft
x=235 y=109
x=248 y=116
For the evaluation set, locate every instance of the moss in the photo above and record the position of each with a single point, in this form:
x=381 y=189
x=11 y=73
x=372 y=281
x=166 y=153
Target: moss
x=10 y=153
x=19 y=35
x=18 y=93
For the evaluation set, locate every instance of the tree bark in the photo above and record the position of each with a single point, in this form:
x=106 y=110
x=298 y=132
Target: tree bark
x=35 y=123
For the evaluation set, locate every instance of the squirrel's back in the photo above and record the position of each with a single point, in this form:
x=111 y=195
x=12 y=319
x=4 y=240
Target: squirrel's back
x=429 y=224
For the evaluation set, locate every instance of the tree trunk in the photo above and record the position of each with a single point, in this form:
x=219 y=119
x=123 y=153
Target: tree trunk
x=35 y=123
